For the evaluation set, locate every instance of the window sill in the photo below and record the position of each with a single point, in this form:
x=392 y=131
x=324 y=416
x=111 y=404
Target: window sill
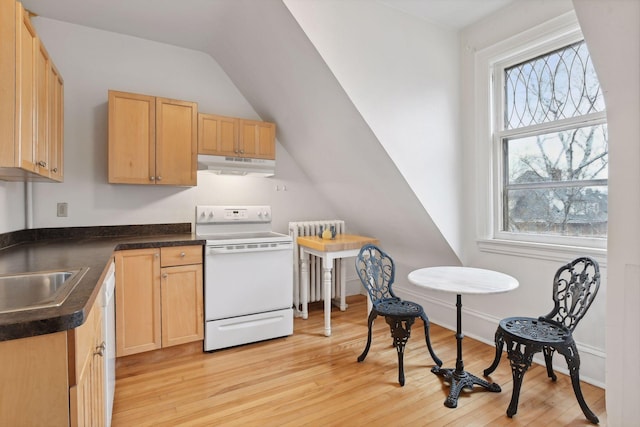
x=546 y=251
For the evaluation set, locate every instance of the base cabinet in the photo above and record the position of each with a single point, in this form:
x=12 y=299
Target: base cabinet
x=55 y=379
x=86 y=396
x=159 y=298
x=35 y=386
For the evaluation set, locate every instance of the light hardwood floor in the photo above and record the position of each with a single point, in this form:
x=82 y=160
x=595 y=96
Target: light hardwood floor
x=311 y=380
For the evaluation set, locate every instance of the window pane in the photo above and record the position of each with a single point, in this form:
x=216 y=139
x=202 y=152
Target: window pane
x=569 y=211
x=558 y=85
x=575 y=154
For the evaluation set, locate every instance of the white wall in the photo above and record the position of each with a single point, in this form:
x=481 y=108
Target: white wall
x=94 y=61
x=12 y=204
x=533 y=268
x=401 y=73
x=612 y=31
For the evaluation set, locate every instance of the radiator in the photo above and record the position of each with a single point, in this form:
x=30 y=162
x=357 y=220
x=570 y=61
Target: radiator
x=312 y=228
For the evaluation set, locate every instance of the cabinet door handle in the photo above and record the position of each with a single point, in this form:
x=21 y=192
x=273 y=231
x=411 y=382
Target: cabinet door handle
x=159 y=178
x=182 y=254
x=54 y=170
x=152 y=178
x=165 y=275
x=100 y=349
x=42 y=164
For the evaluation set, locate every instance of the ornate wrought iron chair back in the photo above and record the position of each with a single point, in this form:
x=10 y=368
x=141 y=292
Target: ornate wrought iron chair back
x=575 y=285
x=377 y=272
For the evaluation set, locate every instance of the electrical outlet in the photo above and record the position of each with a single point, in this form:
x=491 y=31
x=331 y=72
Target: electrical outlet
x=63 y=209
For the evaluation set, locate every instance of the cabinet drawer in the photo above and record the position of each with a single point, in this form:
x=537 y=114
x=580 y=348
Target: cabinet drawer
x=180 y=255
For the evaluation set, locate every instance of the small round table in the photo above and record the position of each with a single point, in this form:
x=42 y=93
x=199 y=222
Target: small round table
x=462 y=280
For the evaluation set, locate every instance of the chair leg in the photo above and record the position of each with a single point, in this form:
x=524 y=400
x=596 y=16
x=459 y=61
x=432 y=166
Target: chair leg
x=372 y=316
x=548 y=361
x=435 y=358
x=520 y=362
x=499 y=339
x=573 y=363
x=400 y=334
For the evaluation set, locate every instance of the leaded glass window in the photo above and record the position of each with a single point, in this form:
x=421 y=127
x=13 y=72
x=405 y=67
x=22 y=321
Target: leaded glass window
x=554 y=146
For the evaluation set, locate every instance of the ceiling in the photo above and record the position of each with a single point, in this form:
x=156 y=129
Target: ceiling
x=185 y=22
x=454 y=14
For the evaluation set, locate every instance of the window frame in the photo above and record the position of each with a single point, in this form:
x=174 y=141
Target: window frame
x=489 y=62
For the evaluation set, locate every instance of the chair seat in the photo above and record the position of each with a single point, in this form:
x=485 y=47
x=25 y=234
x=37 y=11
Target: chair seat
x=535 y=330
x=398 y=308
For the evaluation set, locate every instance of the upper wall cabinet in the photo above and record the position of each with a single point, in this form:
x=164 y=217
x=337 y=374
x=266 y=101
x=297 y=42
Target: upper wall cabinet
x=229 y=136
x=152 y=140
x=31 y=102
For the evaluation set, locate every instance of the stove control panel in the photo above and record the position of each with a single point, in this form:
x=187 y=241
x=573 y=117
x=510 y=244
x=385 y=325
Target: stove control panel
x=232 y=214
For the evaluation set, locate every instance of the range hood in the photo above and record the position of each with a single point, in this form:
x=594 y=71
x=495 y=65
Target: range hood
x=223 y=165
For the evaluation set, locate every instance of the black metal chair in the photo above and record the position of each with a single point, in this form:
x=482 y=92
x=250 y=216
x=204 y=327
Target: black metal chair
x=376 y=271
x=575 y=285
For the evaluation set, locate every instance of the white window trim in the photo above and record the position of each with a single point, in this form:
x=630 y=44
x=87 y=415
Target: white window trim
x=564 y=29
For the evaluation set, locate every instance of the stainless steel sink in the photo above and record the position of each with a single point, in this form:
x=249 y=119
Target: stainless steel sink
x=28 y=291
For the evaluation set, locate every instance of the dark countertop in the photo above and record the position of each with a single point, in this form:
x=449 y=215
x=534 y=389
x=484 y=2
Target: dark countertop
x=45 y=254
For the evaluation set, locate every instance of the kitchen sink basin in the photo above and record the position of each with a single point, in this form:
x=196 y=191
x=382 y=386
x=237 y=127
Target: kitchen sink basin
x=28 y=291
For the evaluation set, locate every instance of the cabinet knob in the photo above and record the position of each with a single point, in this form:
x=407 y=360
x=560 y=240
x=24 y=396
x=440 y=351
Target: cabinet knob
x=182 y=254
x=54 y=170
x=165 y=275
x=159 y=178
x=42 y=164
x=100 y=349
x=152 y=178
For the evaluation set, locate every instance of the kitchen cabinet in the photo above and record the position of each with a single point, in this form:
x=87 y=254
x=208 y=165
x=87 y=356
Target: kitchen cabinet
x=152 y=140
x=217 y=135
x=56 y=124
x=159 y=298
x=182 y=295
x=55 y=379
x=86 y=396
x=35 y=384
x=26 y=111
x=258 y=139
x=234 y=137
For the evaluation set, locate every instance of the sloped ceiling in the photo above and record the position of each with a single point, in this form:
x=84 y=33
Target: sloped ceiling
x=269 y=58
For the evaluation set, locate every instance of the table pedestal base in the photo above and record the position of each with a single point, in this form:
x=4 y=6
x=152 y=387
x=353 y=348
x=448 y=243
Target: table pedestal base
x=460 y=380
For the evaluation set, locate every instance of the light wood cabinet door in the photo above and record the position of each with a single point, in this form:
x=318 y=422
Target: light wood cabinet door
x=8 y=81
x=25 y=105
x=34 y=386
x=176 y=142
x=138 y=318
x=26 y=48
x=217 y=135
x=132 y=136
x=56 y=124
x=41 y=127
x=182 y=305
x=257 y=139
x=86 y=396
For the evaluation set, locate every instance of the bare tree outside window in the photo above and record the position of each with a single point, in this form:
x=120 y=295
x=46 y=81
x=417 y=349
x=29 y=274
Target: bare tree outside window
x=555 y=146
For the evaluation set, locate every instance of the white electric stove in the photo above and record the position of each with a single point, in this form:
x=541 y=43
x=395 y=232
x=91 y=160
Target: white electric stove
x=248 y=277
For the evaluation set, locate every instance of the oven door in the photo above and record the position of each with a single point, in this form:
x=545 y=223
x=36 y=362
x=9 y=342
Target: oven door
x=244 y=279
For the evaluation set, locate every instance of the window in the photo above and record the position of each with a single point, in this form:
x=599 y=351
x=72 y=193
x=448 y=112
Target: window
x=550 y=135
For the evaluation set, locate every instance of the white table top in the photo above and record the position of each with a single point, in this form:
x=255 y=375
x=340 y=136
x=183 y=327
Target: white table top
x=463 y=280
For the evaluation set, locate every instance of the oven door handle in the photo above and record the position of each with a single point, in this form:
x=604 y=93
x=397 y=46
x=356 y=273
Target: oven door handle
x=237 y=249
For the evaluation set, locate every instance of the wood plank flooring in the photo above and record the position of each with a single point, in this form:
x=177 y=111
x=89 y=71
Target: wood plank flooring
x=311 y=380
